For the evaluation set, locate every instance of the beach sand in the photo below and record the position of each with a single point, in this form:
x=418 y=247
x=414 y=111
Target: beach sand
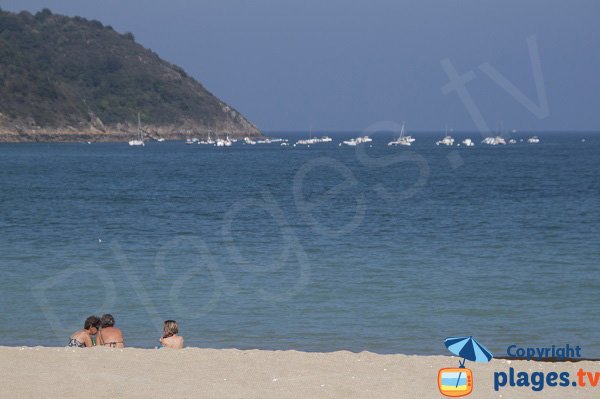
x=229 y=373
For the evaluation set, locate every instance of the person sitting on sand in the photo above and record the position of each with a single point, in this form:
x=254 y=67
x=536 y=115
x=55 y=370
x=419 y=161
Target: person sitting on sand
x=83 y=338
x=170 y=339
x=110 y=335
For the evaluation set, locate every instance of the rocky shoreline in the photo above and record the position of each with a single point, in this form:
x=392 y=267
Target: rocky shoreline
x=119 y=133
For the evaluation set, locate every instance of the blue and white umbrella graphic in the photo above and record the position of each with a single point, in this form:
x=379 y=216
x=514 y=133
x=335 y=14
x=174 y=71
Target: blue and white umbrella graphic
x=468 y=349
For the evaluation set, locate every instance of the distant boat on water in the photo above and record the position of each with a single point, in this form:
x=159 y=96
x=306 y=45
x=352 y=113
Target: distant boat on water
x=140 y=140
x=358 y=140
x=498 y=140
x=313 y=140
x=402 y=139
x=533 y=140
x=208 y=140
x=224 y=143
x=468 y=143
x=447 y=140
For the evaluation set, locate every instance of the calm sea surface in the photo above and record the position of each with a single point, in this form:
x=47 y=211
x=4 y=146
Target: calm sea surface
x=323 y=248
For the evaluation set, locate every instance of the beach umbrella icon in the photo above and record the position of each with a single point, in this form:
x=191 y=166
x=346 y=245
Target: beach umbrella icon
x=456 y=382
x=469 y=349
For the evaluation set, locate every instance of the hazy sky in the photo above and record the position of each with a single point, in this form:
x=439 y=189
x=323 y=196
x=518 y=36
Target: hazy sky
x=344 y=65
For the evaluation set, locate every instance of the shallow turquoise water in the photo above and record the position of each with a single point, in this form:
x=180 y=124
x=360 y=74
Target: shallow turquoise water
x=321 y=248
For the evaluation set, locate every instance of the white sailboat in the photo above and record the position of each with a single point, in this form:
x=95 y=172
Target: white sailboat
x=402 y=139
x=313 y=140
x=498 y=140
x=447 y=140
x=140 y=140
x=208 y=140
x=224 y=143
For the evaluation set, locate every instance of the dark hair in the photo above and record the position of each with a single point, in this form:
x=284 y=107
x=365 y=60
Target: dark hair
x=92 y=321
x=107 y=320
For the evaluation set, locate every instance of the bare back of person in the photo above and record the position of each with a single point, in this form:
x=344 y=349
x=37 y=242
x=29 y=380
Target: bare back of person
x=111 y=337
x=81 y=339
x=173 y=342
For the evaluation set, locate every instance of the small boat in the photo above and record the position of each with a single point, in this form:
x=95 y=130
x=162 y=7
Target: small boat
x=498 y=140
x=468 y=143
x=533 y=140
x=402 y=139
x=140 y=140
x=248 y=140
x=136 y=143
x=358 y=140
x=314 y=140
x=512 y=141
x=307 y=141
x=224 y=143
x=160 y=139
x=208 y=140
x=447 y=140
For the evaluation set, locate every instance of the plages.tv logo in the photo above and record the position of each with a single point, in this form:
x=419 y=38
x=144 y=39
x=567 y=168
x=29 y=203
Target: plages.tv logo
x=455 y=382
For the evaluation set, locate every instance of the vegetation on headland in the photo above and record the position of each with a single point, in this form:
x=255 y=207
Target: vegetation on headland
x=68 y=77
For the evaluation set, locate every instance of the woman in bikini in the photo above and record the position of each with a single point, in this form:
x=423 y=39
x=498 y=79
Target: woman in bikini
x=84 y=338
x=170 y=339
x=109 y=335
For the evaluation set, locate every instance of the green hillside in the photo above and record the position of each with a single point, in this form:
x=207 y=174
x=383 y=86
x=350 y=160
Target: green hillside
x=58 y=72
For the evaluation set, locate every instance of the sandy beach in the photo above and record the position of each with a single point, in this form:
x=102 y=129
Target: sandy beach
x=190 y=373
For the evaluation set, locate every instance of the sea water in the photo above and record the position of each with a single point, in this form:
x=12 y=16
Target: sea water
x=320 y=248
